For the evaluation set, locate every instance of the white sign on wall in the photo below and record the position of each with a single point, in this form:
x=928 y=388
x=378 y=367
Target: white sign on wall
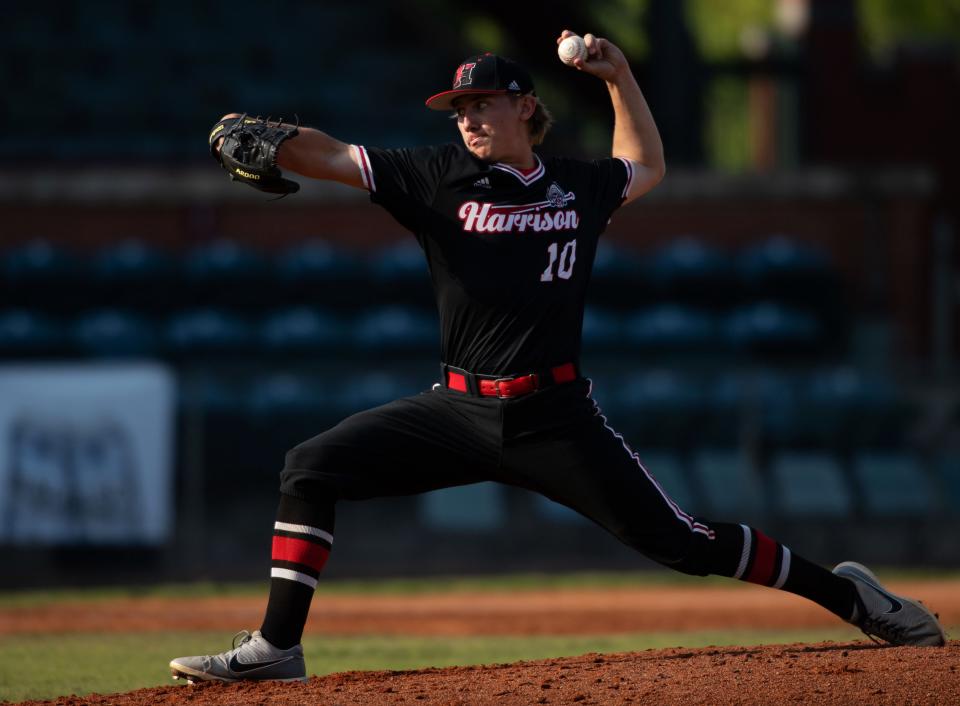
x=86 y=454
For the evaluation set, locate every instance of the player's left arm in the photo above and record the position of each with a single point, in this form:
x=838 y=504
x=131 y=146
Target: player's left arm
x=635 y=134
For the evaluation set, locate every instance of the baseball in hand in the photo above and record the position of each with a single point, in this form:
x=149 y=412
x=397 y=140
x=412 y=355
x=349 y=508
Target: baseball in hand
x=572 y=48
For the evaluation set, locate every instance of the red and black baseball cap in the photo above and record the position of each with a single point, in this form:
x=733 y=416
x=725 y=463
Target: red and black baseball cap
x=484 y=73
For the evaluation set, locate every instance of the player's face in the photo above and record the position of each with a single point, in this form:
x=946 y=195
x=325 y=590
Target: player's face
x=493 y=127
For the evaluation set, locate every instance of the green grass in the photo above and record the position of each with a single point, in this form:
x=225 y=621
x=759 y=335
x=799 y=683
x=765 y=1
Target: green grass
x=409 y=586
x=48 y=666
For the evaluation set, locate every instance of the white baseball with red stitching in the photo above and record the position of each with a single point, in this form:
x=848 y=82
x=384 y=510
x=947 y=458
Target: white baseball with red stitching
x=571 y=49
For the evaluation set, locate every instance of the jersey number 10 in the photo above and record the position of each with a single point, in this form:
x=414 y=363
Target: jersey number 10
x=568 y=256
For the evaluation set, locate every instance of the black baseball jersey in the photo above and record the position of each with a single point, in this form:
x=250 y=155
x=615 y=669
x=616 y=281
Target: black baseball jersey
x=509 y=252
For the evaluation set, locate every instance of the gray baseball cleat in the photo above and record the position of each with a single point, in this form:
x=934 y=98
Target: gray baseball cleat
x=893 y=618
x=253 y=658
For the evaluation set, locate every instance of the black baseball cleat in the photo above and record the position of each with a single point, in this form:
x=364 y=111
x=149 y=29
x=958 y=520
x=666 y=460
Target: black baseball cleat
x=253 y=659
x=893 y=618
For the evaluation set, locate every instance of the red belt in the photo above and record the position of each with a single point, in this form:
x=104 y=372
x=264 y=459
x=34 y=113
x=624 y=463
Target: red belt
x=505 y=387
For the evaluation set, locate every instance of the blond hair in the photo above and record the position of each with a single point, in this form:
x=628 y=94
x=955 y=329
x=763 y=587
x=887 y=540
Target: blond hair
x=540 y=122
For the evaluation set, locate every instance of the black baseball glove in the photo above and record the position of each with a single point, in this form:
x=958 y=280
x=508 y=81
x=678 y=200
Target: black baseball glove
x=249 y=152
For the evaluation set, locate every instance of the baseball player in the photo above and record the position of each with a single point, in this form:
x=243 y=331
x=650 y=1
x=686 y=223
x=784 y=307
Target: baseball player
x=510 y=238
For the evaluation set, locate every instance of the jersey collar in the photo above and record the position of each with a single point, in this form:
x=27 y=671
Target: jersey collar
x=525 y=179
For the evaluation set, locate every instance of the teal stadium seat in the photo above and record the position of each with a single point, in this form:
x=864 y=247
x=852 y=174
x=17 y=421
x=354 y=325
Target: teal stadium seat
x=396 y=327
x=203 y=331
x=111 y=333
x=138 y=275
x=28 y=333
x=689 y=270
x=42 y=275
x=670 y=328
x=892 y=484
x=731 y=488
x=285 y=394
x=810 y=485
x=316 y=260
x=662 y=406
x=301 y=330
x=227 y=273
x=948 y=475
x=478 y=507
x=602 y=328
x=769 y=326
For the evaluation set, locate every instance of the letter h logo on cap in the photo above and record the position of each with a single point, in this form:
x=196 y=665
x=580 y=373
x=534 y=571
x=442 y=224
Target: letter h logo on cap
x=464 y=75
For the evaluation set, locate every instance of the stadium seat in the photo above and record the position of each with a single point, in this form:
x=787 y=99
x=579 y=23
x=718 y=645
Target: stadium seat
x=301 y=330
x=844 y=406
x=395 y=327
x=892 y=484
x=404 y=261
x=754 y=402
x=605 y=390
x=662 y=406
x=226 y=273
x=668 y=471
x=669 y=327
x=42 y=276
x=38 y=260
x=283 y=394
x=317 y=260
x=136 y=275
x=479 y=507
x=371 y=389
x=780 y=264
x=614 y=261
x=727 y=402
x=690 y=270
x=316 y=270
x=617 y=278
x=132 y=261
x=767 y=326
x=601 y=328
x=729 y=485
x=28 y=333
x=110 y=333
x=212 y=395
x=810 y=484
x=222 y=259
x=948 y=475
x=207 y=331
x=398 y=273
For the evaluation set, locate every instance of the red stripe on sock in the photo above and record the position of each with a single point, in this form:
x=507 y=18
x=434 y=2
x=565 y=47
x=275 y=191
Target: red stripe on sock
x=762 y=570
x=300 y=552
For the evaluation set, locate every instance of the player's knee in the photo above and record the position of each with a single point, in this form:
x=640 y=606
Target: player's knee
x=674 y=546
x=305 y=472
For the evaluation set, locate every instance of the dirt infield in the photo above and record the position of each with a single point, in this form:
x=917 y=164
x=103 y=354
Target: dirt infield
x=528 y=612
x=794 y=674
x=849 y=673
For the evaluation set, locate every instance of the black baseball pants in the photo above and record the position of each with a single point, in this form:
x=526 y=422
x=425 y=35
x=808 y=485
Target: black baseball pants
x=555 y=441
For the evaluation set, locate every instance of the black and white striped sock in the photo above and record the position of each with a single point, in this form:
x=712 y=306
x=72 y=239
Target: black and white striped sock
x=302 y=539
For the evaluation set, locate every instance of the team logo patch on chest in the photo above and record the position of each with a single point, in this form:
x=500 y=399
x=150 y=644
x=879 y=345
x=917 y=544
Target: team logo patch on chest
x=540 y=216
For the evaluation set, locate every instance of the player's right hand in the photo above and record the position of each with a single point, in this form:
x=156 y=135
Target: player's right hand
x=604 y=58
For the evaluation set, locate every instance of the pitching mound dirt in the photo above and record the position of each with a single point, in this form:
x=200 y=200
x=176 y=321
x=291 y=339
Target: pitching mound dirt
x=852 y=673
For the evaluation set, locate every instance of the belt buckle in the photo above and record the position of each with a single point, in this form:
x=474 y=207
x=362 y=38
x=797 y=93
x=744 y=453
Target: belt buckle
x=496 y=385
x=534 y=381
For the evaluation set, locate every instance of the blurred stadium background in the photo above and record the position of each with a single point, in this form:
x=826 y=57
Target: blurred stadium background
x=775 y=328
